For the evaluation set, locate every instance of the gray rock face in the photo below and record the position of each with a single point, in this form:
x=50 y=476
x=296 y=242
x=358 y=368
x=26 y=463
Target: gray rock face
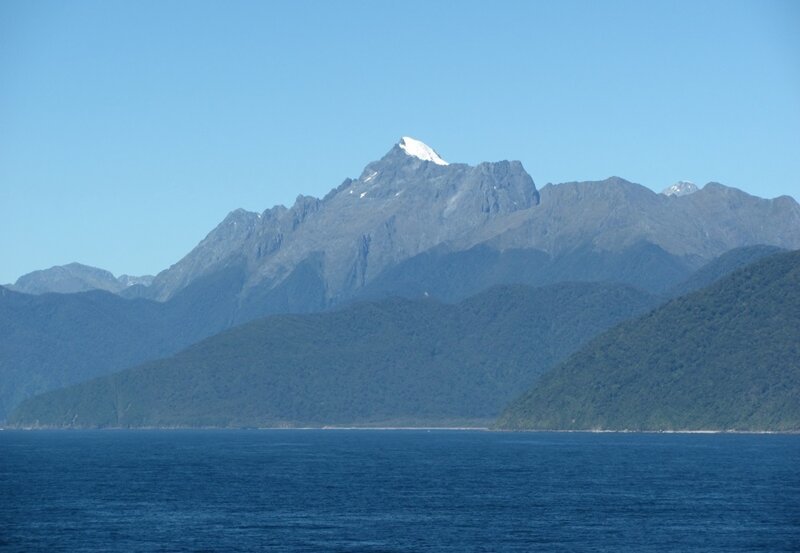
x=402 y=206
x=360 y=236
x=75 y=277
x=614 y=214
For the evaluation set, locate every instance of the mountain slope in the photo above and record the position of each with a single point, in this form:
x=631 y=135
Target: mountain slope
x=401 y=205
x=411 y=211
x=455 y=275
x=405 y=211
x=722 y=266
x=725 y=357
x=72 y=278
x=614 y=214
x=408 y=226
x=393 y=362
x=52 y=340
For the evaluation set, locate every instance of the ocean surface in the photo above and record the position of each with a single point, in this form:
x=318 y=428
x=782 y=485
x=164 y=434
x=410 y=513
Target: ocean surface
x=400 y=490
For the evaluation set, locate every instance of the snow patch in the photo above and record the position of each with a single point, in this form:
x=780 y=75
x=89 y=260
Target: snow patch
x=363 y=194
x=681 y=188
x=420 y=150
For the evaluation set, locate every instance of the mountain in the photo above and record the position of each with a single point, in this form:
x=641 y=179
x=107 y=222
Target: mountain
x=614 y=215
x=128 y=280
x=412 y=225
x=726 y=357
x=401 y=205
x=455 y=275
x=680 y=188
x=390 y=362
x=52 y=340
x=722 y=266
x=411 y=212
x=75 y=277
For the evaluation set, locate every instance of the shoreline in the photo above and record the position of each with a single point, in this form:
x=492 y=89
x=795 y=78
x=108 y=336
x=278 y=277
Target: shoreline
x=387 y=429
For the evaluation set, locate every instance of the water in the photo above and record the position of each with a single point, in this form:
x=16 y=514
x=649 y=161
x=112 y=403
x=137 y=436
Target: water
x=292 y=490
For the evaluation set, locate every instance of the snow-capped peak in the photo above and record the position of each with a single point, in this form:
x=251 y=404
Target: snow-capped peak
x=681 y=188
x=420 y=150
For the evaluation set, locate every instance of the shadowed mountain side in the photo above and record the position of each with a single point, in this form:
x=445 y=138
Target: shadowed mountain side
x=453 y=276
x=49 y=341
x=53 y=340
x=722 y=266
x=725 y=357
x=303 y=291
x=397 y=361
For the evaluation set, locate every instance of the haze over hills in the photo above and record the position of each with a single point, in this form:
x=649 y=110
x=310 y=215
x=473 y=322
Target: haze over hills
x=75 y=277
x=54 y=340
x=724 y=358
x=390 y=362
x=722 y=266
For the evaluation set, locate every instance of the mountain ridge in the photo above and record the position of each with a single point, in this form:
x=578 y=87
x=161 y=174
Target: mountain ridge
x=367 y=363
x=402 y=206
x=427 y=363
x=386 y=207
x=75 y=277
x=606 y=216
x=368 y=231
x=725 y=357
x=413 y=228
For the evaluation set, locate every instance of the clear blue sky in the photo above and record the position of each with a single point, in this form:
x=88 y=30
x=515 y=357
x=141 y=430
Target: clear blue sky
x=128 y=130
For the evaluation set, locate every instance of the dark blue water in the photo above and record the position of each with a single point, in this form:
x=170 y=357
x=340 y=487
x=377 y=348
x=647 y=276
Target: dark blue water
x=397 y=491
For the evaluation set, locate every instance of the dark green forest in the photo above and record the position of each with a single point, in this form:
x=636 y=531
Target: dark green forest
x=724 y=358
x=396 y=362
